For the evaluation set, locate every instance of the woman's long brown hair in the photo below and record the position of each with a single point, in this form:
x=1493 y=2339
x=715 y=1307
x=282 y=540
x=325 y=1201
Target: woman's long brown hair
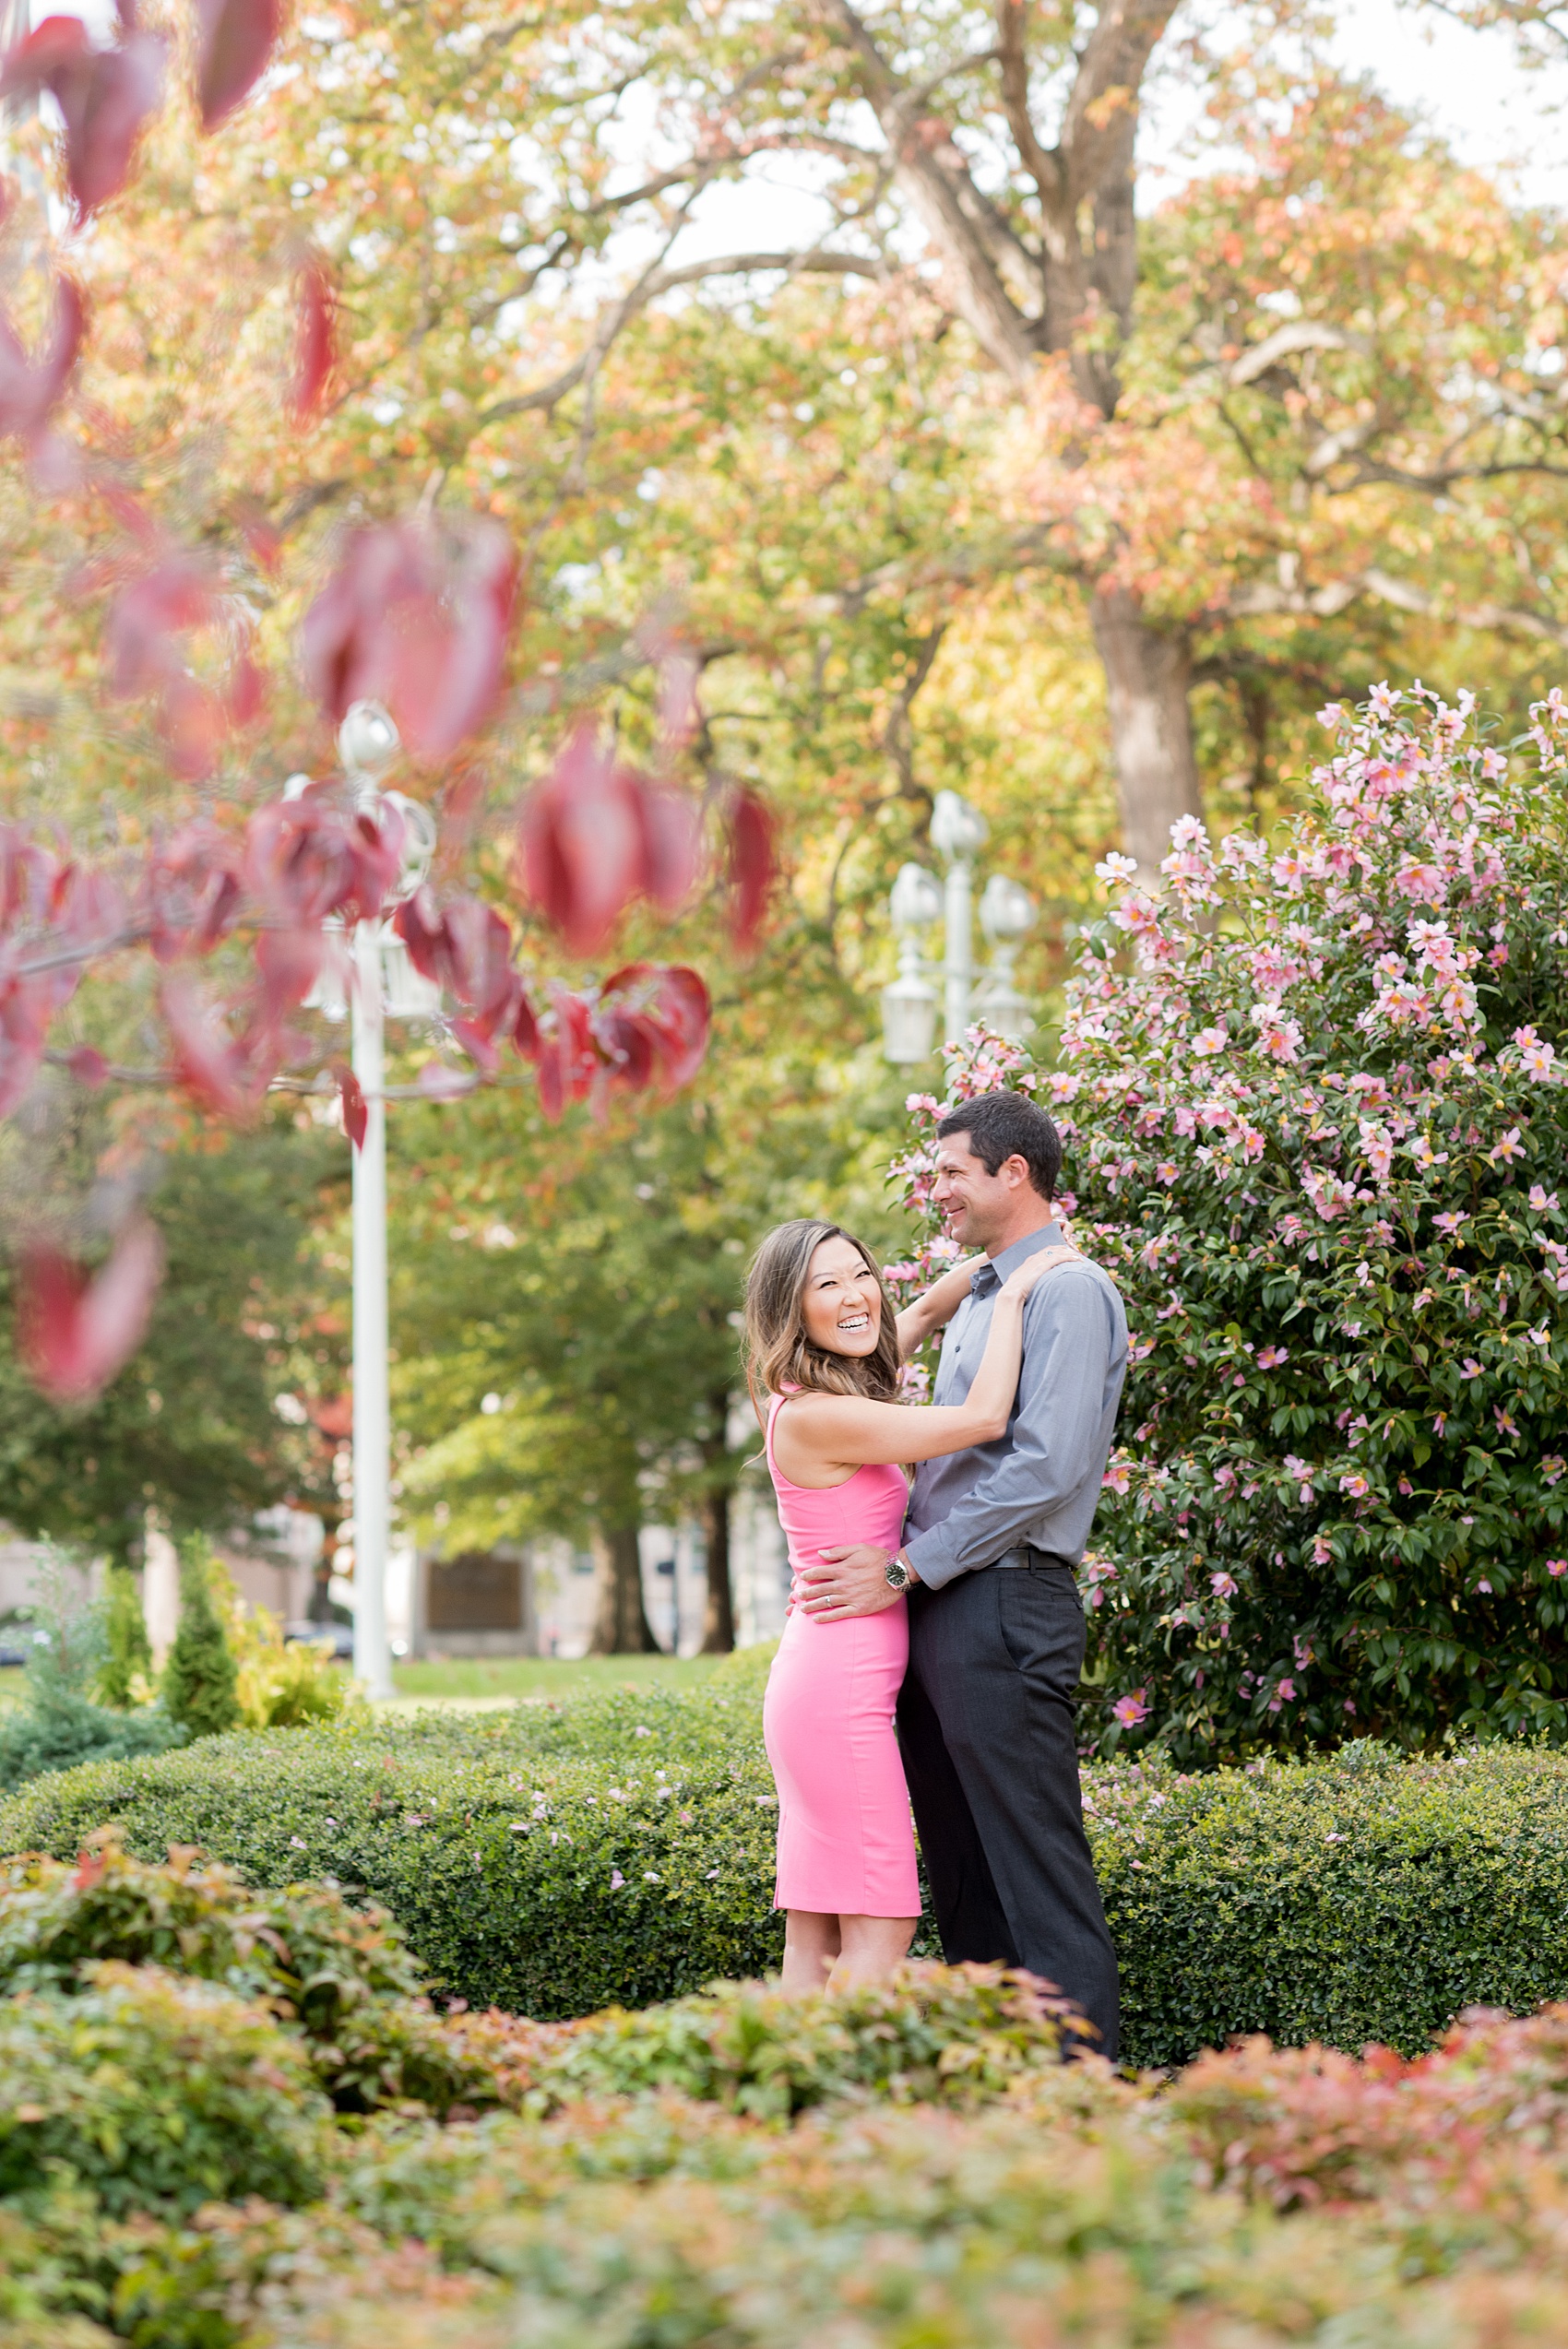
x=780 y=1354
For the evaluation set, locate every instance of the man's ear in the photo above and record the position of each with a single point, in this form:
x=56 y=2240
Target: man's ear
x=1018 y=1172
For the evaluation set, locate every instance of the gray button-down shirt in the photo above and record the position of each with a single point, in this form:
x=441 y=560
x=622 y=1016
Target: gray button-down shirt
x=1040 y=1482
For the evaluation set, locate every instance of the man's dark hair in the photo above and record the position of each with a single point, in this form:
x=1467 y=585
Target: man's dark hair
x=1008 y=1125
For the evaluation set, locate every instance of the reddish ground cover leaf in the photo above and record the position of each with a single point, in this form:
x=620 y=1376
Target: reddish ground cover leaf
x=417 y=615
x=236 y=38
x=104 y=96
x=315 y=339
x=30 y=389
x=78 y=1330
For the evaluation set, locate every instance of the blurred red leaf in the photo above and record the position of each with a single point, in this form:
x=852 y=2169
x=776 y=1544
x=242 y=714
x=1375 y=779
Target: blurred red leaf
x=87 y=1066
x=594 y=834
x=180 y=591
x=224 y=1074
x=234 y=39
x=652 y=1021
x=30 y=390
x=305 y=859
x=568 y=1062
x=25 y=1009
x=678 y=710
x=288 y=964
x=356 y=1111
x=104 y=97
x=751 y=864
x=193 y=890
x=315 y=339
x=76 y=1328
x=417 y=615
x=466 y=948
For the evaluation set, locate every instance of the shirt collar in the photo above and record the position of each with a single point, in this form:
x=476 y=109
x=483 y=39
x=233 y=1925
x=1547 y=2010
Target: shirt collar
x=995 y=1269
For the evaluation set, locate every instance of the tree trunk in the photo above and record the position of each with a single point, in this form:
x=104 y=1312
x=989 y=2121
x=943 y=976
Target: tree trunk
x=718 y=1622
x=1146 y=675
x=621 y=1624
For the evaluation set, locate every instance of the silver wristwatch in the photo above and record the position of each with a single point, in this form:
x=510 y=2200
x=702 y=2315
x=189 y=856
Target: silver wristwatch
x=897 y=1574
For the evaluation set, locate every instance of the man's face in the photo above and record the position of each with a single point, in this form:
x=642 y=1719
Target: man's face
x=975 y=1208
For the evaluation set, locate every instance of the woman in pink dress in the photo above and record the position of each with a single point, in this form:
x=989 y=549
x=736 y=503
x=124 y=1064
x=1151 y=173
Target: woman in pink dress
x=824 y=1344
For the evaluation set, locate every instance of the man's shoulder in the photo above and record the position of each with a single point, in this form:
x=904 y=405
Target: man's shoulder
x=1080 y=1284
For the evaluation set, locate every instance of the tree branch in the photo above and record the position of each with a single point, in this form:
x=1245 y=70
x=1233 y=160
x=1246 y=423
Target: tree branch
x=657 y=280
x=1261 y=598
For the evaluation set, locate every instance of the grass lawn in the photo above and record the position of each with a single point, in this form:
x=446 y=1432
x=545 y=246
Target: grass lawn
x=529 y=1675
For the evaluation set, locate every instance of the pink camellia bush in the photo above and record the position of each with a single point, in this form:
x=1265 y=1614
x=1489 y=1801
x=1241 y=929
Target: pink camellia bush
x=1316 y=1117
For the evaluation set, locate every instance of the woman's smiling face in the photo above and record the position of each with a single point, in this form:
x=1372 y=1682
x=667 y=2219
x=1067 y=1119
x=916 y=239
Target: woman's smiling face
x=842 y=1305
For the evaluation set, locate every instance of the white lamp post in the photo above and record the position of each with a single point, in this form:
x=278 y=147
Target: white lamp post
x=908 y=1007
x=1008 y=913
x=384 y=985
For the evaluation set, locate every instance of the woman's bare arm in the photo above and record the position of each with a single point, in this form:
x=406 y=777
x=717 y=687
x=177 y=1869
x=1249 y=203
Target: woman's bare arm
x=935 y=1308
x=824 y=1431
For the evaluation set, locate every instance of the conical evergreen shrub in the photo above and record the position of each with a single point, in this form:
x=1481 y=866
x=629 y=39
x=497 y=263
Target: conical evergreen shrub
x=199 y=1678
x=128 y=1654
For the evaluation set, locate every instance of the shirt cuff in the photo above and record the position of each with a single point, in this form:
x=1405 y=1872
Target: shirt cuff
x=929 y=1557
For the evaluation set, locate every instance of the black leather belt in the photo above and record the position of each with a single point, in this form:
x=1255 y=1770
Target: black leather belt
x=1029 y=1556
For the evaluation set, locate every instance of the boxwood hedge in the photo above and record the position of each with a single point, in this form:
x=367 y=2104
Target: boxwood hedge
x=619 y=1848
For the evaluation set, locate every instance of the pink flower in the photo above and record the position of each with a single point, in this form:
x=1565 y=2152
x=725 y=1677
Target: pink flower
x=1278 y=1036
x=1272 y=1356
x=1551 y=1467
x=1557 y=1567
x=1118 y=1476
x=1355 y=1485
x=1544 y=1202
x=1222 y=1586
x=1440 y=1423
x=1301 y=1470
x=1323 y=1549
x=1165 y=1172
x=616 y=1880
x=1451 y=1226
x=1209 y=1040
x=1470 y=1368
x=1509 y=1146
x=1130 y=1710
x=1288 y=1689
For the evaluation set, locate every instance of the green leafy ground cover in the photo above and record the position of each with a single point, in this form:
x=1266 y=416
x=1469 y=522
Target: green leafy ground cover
x=619 y=1848
x=907 y=2167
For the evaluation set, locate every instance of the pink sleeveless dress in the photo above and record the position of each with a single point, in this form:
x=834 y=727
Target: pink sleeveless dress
x=846 y=1846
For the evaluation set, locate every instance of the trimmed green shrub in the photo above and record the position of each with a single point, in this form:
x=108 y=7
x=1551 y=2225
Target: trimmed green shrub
x=555 y=1862
x=156 y=2093
x=550 y=1886
x=1353 y=1899
x=199 y=1679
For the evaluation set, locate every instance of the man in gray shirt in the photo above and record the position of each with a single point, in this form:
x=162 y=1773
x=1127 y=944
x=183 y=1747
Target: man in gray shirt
x=996 y=1625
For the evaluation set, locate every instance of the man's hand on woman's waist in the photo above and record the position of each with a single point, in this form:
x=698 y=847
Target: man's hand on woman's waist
x=852 y=1581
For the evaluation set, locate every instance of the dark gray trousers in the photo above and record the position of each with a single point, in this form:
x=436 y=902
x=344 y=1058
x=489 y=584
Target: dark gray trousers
x=985 y=1724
